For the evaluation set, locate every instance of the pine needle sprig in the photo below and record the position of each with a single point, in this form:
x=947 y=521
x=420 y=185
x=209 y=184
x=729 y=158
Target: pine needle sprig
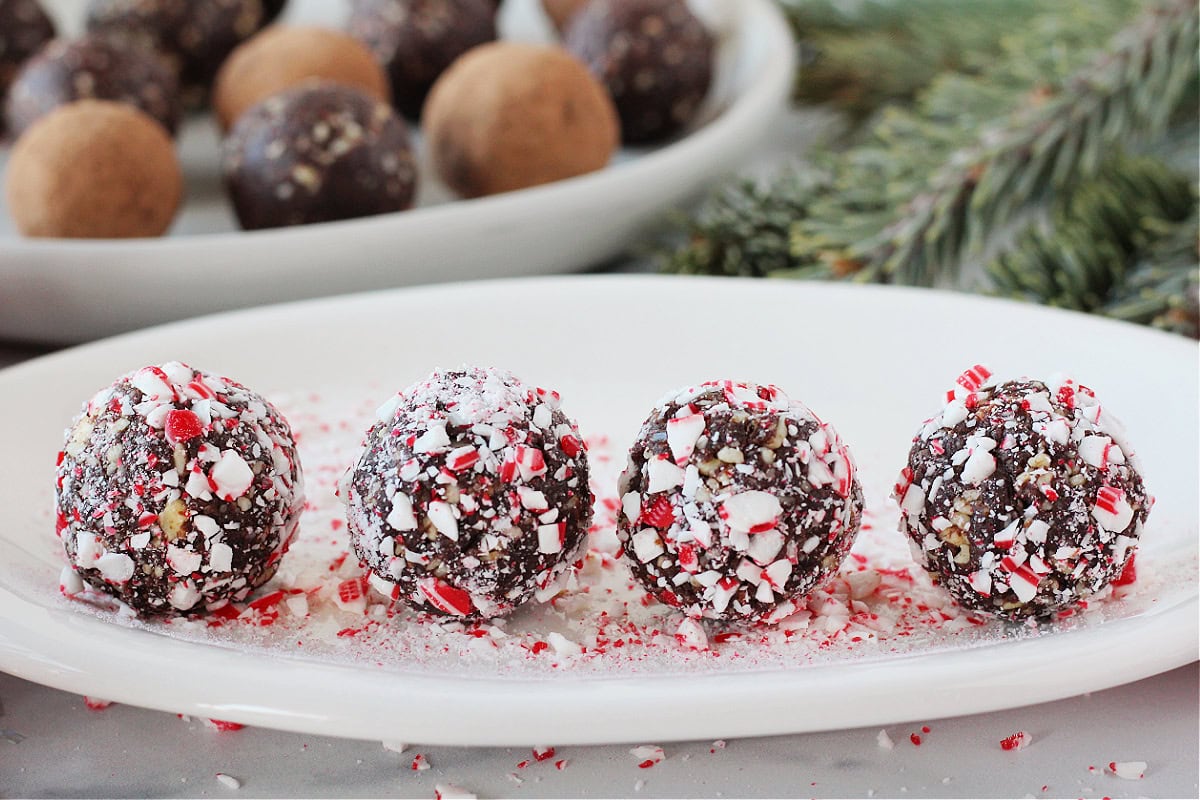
x=995 y=145
x=1163 y=288
x=860 y=56
x=1088 y=248
x=1129 y=91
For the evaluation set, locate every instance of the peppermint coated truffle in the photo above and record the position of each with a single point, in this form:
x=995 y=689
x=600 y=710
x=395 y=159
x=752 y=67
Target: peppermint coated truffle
x=316 y=153
x=1022 y=498
x=416 y=40
x=24 y=28
x=736 y=502
x=194 y=36
x=471 y=495
x=177 y=491
x=94 y=169
x=509 y=115
x=654 y=56
x=92 y=67
x=284 y=55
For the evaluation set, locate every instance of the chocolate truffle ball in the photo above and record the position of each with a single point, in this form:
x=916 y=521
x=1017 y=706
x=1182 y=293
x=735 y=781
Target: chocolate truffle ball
x=92 y=67
x=561 y=12
x=416 y=40
x=1022 y=498
x=284 y=55
x=178 y=490
x=94 y=169
x=24 y=27
x=471 y=495
x=736 y=502
x=194 y=36
x=654 y=56
x=509 y=115
x=316 y=153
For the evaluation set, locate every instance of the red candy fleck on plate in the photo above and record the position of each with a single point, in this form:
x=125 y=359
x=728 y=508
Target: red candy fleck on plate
x=1017 y=741
x=543 y=753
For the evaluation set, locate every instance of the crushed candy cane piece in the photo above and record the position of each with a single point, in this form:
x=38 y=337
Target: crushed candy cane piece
x=1129 y=770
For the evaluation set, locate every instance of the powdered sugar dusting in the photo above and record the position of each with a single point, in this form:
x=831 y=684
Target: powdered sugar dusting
x=319 y=605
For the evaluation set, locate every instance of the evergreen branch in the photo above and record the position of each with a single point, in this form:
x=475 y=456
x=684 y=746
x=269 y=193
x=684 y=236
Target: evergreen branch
x=1121 y=244
x=1129 y=90
x=860 y=56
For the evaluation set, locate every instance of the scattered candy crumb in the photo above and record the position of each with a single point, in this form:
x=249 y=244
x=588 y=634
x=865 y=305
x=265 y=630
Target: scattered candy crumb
x=647 y=755
x=1018 y=741
x=1129 y=770
x=915 y=738
x=884 y=740
x=228 y=781
x=449 y=791
x=223 y=725
x=542 y=753
x=95 y=703
x=419 y=762
x=395 y=747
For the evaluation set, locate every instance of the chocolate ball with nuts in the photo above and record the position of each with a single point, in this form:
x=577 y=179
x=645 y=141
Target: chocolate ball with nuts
x=416 y=40
x=92 y=67
x=1023 y=498
x=177 y=491
x=284 y=55
x=194 y=36
x=654 y=56
x=736 y=502
x=94 y=169
x=510 y=115
x=315 y=153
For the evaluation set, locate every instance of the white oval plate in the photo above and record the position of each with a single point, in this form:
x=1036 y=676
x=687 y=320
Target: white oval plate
x=70 y=291
x=873 y=360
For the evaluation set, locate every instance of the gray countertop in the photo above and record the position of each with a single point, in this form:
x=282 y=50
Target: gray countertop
x=52 y=745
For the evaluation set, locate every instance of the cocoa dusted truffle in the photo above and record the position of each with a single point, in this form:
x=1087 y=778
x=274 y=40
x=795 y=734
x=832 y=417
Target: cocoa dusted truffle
x=416 y=40
x=284 y=55
x=177 y=491
x=94 y=169
x=654 y=56
x=194 y=36
x=92 y=67
x=736 y=502
x=1022 y=498
x=471 y=495
x=316 y=153
x=508 y=115
x=24 y=27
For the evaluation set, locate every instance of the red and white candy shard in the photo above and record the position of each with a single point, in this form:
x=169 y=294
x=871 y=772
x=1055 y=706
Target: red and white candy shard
x=471 y=495
x=176 y=490
x=647 y=755
x=1022 y=497
x=1129 y=770
x=736 y=502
